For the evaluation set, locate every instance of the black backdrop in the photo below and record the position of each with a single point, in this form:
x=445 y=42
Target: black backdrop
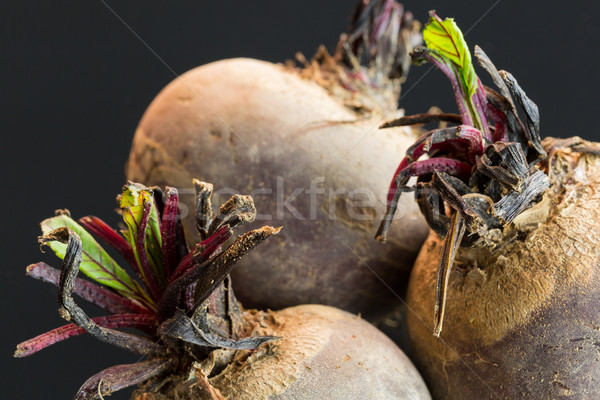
x=75 y=81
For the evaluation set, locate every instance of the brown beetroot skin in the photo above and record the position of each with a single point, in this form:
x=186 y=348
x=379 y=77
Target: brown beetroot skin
x=523 y=322
x=245 y=123
x=323 y=353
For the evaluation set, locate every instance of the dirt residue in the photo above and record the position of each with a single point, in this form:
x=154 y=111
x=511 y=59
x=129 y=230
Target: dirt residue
x=262 y=371
x=360 y=97
x=493 y=291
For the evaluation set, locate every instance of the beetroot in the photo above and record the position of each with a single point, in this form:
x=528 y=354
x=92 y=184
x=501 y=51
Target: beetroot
x=323 y=353
x=512 y=290
x=181 y=316
x=308 y=140
x=522 y=319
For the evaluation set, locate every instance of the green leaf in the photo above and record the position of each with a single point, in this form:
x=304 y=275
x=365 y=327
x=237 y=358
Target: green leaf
x=133 y=201
x=446 y=38
x=96 y=262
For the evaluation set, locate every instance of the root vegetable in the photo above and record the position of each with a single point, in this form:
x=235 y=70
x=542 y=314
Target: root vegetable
x=323 y=353
x=516 y=279
x=308 y=138
x=522 y=320
x=185 y=322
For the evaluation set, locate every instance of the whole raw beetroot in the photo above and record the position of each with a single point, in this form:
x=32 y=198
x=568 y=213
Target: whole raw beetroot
x=515 y=283
x=180 y=315
x=522 y=319
x=322 y=353
x=309 y=139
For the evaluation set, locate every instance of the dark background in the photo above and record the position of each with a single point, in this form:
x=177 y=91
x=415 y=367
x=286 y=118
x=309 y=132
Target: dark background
x=76 y=80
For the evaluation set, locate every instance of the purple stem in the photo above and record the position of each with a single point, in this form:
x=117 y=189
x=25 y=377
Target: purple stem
x=465 y=133
x=140 y=244
x=186 y=263
x=480 y=101
x=170 y=231
x=103 y=298
x=418 y=168
x=381 y=22
x=394 y=185
x=426 y=144
x=209 y=274
x=139 y=321
x=110 y=236
x=473 y=136
x=205 y=249
x=412 y=155
x=440 y=164
x=500 y=133
x=448 y=68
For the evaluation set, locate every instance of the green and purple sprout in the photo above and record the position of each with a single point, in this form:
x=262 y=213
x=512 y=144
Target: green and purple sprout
x=481 y=173
x=184 y=306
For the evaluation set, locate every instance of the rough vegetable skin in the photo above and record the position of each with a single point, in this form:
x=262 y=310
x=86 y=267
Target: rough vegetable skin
x=522 y=320
x=323 y=353
x=245 y=123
